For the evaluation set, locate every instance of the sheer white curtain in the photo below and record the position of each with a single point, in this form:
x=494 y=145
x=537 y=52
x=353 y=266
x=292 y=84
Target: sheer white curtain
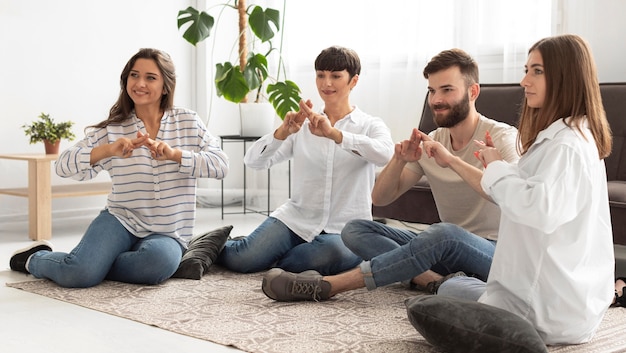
x=395 y=40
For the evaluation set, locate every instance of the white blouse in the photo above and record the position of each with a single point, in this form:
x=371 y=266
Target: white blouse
x=554 y=262
x=332 y=183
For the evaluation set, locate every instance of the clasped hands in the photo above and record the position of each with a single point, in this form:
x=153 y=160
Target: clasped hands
x=411 y=150
x=319 y=124
x=124 y=147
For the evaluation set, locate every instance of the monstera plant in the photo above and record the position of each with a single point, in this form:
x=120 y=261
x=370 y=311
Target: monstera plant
x=250 y=73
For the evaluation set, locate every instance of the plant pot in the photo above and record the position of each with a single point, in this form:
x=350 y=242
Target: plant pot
x=52 y=148
x=257 y=119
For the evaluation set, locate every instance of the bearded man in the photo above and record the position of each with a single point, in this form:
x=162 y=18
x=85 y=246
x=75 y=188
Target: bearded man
x=464 y=242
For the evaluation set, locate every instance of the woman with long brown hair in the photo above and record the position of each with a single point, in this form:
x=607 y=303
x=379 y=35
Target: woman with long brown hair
x=554 y=262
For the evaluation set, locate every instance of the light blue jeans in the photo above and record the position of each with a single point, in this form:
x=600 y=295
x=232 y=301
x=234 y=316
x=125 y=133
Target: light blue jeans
x=109 y=251
x=395 y=255
x=273 y=244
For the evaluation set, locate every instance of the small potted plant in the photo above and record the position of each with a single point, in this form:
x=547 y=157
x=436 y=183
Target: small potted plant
x=50 y=133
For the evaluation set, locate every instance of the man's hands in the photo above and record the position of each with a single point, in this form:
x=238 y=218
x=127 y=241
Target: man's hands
x=486 y=152
x=410 y=150
x=436 y=150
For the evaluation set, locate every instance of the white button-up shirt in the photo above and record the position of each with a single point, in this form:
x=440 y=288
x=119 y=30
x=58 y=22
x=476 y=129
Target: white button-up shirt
x=554 y=262
x=332 y=183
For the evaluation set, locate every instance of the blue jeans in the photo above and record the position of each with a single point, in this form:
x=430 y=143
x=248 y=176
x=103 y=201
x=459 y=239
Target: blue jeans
x=273 y=244
x=109 y=251
x=396 y=255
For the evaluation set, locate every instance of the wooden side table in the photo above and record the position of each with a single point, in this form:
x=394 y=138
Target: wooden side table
x=40 y=192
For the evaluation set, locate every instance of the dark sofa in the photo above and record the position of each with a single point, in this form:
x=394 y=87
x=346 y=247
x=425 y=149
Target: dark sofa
x=502 y=102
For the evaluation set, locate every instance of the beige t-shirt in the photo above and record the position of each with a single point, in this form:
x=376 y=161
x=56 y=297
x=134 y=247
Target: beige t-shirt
x=456 y=201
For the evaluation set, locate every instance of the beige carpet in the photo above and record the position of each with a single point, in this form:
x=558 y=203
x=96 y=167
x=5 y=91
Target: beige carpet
x=230 y=309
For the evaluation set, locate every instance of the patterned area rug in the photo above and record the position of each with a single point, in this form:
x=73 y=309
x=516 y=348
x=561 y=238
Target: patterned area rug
x=230 y=309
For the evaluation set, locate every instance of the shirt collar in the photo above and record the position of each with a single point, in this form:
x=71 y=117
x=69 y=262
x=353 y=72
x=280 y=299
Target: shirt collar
x=554 y=128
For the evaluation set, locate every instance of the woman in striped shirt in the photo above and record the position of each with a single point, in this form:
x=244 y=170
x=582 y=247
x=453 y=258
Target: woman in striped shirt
x=153 y=152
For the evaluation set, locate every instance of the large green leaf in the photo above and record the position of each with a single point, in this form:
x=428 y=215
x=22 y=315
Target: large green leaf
x=256 y=70
x=230 y=83
x=284 y=96
x=259 y=22
x=200 y=27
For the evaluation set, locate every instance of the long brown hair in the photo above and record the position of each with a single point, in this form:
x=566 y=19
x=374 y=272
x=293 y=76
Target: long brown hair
x=121 y=110
x=572 y=90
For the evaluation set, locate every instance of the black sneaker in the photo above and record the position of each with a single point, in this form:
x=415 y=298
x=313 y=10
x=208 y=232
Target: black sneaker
x=19 y=257
x=284 y=286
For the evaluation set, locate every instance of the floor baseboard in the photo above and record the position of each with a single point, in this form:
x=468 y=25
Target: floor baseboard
x=56 y=215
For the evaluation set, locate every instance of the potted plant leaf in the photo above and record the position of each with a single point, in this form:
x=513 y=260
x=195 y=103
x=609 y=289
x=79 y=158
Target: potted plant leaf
x=46 y=130
x=250 y=73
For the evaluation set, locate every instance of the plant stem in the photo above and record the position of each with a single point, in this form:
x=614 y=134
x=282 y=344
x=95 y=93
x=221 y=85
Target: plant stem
x=243 y=42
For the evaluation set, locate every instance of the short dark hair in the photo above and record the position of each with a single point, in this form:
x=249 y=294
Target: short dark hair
x=338 y=58
x=450 y=58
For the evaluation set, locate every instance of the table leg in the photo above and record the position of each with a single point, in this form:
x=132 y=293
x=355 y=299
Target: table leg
x=39 y=200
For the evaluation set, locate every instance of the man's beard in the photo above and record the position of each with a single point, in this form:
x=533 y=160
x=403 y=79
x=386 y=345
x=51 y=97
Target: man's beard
x=457 y=113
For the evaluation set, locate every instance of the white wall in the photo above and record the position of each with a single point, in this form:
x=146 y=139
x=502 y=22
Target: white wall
x=64 y=58
x=601 y=23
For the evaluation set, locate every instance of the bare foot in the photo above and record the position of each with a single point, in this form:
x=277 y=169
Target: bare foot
x=619 y=288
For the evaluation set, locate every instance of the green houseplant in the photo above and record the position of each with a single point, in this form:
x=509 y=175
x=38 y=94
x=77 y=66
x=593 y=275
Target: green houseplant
x=49 y=132
x=234 y=80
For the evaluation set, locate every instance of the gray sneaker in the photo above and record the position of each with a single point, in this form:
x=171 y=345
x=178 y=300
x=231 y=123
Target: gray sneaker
x=284 y=286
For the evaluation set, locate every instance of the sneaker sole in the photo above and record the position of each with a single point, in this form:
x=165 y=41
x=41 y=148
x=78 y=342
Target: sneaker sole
x=44 y=243
x=271 y=274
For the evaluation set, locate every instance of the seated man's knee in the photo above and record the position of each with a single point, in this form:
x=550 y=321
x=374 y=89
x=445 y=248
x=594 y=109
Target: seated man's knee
x=445 y=230
x=353 y=231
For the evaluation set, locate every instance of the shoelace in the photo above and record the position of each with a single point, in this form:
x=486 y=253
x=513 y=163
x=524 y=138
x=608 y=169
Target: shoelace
x=306 y=289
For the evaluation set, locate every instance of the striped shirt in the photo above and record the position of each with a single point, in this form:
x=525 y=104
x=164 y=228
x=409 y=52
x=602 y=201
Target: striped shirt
x=150 y=196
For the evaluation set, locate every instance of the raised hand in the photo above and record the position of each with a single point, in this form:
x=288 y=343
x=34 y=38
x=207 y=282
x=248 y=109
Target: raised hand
x=436 y=150
x=487 y=151
x=124 y=147
x=319 y=124
x=293 y=121
x=159 y=150
x=409 y=150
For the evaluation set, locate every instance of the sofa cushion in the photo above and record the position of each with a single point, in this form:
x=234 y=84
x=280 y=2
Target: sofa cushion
x=617 y=193
x=461 y=326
